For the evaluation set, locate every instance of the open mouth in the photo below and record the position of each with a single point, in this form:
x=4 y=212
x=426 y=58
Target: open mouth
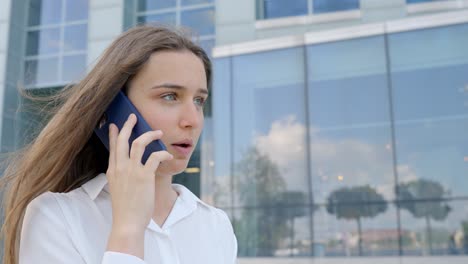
x=182 y=145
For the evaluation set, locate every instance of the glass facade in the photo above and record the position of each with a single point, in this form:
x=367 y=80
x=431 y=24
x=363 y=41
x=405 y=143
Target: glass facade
x=56 y=42
x=280 y=8
x=346 y=148
x=198 y=15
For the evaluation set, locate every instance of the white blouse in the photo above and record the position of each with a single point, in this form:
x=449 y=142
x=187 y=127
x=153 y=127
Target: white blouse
x=74 y=227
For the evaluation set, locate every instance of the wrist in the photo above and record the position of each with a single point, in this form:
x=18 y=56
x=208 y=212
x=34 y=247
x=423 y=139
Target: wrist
x=127 y=241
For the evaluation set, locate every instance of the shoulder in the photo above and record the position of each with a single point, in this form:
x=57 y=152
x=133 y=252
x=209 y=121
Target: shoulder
x=61 y=209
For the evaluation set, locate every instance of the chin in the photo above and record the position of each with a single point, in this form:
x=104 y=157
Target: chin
x=172 y=167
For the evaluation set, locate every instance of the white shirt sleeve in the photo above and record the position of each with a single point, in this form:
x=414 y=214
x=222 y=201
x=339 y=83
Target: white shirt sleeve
x=228 y=238
x=45 y=237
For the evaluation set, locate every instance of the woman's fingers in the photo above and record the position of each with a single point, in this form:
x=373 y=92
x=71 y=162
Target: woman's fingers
x=122 y=146
x=113 y=132
x=139 y=144
x=156 y=158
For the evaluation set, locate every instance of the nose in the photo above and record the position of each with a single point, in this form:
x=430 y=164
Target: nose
x=191 y=116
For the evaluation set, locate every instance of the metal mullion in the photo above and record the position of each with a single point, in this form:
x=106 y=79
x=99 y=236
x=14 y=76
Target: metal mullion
x=76 y=23
x=194 y=7
x=157 y=11
x=38 y=27
x=62 y=42
x=40 y=57
x=310 y=9
x=178 y=19
x=75 y=53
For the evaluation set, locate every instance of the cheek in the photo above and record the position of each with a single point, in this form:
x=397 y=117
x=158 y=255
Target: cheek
x=158 y=121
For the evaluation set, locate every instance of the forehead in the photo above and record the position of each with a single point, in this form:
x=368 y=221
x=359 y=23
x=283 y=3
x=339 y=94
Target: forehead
x=181 y=67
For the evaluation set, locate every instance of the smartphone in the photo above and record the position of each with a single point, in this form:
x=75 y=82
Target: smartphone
x=117 y=113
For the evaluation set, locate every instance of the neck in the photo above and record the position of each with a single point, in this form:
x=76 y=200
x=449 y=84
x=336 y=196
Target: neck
x=165 y=198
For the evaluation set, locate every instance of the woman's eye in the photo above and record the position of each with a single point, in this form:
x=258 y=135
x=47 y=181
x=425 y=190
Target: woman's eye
x=169 y=97
x=200 y=101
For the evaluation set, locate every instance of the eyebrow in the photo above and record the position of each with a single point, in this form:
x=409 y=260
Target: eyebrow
x=178 y=87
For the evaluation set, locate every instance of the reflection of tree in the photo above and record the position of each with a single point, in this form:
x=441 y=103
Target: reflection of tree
x=259 y=182
x=465 y=236
x=356 y=203
x=284 y=202
x=411 y=196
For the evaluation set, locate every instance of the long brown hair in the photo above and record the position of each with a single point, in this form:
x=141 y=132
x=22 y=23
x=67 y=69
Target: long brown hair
x=66 y=153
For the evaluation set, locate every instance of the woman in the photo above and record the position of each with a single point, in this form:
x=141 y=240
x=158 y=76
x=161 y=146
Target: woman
x=71 y=201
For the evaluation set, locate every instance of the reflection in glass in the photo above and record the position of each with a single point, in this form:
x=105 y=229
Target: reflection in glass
x=76 y=37
x=272 y=231
x=325 y=6
x=164 y=19
x=364 y=228
x=268 y=126
x=148 y=5
x=73 y=67
x=42 y=42
x=356 y=203
x=76 y=10
x=222 y=130
x=350 y=130
x=201 y=20
x=442 y=232
x=207 y=45
x=44 y=12
x=279 y=8
x=40 y=72
x=430 y=106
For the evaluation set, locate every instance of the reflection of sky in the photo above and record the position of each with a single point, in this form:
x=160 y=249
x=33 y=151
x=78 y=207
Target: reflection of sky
x=430 y=93
x=349 y=102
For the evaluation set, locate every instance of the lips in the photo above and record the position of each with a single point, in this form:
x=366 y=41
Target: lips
x=183 y=147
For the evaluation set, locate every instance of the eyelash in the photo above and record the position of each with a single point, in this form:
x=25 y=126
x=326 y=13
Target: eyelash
x=174 y=96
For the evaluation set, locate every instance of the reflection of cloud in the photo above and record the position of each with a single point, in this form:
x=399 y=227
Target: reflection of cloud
x=406 y=173
x=285 y=146
x=336 y=162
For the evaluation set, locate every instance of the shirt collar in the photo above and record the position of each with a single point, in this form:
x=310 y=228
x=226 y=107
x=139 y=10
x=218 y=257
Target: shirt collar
x=96 y=185
x=99 y=183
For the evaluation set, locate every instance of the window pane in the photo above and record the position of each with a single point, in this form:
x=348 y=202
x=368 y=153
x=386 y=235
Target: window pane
x=282 y=8
x=42 y=42
x=282 y=231
x=164 y=19
x=73 y=67
x=76 y=10
x=353 y=226
x=195 y=2
x=201 y=20
x=40 y=72
x=324 y=6
x=349 y=118
x=222 y=195
x=207 y=45
x=430 y=97
x=435 y=227
x=76 y=37
x=269 y=126
x=150 y=5
x=44 y=12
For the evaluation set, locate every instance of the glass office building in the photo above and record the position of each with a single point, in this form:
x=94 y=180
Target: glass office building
x=336 y=131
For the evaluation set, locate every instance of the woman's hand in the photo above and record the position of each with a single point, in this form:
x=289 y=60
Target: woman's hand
x=132 y=187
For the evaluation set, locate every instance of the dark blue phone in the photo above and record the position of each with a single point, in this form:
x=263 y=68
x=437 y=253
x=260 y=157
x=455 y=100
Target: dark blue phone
x=117 y=113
